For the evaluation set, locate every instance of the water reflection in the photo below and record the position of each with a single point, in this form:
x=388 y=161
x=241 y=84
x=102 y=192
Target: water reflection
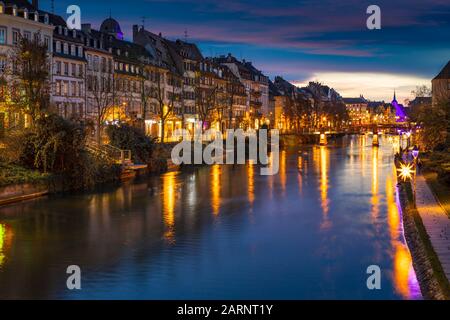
x=405 y=280
x=375 y=196
x=2 y=242
x=217 y=232
x=168 y=200
x=216 y=172
x=321 y=159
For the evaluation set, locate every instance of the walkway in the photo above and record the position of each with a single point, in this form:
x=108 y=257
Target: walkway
x=436 y=221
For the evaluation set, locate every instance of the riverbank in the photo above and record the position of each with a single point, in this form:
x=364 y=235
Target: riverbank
x=432 y=279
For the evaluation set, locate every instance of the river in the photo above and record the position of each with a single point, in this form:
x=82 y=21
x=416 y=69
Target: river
x=220 y=232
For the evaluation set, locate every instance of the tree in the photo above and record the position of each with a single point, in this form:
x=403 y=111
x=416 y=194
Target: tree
x=435 y=124
x=421 y=91
x=205 y=100
x=30 y=71
x=102 y=100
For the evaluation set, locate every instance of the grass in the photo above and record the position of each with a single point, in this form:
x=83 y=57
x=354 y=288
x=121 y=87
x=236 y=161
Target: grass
x=429 y=250
x=13 y=174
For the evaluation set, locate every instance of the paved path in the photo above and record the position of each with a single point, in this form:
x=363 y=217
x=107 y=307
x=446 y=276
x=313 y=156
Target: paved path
x=436 y=221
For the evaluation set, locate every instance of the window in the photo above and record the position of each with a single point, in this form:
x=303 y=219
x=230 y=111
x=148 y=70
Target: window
x=80 y=70
x=80 y=51
x=58 y=46
x=47 y=43
x=58 y=87
x=16 y=36
x=2 y=64
x=89 y=58
x=74 y=70
x=66 y=68
x=72 y=50
x=74 y=89
x=58 y=67
x=27 y=35
x=66 y=48
x=2 y=35
x=95 y=63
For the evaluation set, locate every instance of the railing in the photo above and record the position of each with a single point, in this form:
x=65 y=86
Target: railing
x=110 y=152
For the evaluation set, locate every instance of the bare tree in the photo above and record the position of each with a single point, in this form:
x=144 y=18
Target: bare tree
x=30 y=72
x=421 y=91
x=100 y=89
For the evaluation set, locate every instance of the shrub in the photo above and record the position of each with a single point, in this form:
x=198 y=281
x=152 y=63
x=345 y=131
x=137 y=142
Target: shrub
x=126 y=137
x=57 y=146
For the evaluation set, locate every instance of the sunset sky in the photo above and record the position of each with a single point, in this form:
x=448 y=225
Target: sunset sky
x=302 y=40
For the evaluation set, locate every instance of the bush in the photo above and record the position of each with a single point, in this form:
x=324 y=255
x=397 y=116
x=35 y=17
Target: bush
x=57 y=146
x=13 y=174
x=126 y=137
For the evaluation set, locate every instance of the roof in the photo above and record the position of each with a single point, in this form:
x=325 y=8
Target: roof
x=445 y=72
x=19 y=4
x=359 y=100
x=112 y=27
x=418 y=101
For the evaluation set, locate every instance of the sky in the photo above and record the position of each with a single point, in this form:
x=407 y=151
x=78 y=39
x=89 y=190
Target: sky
x=301 y=40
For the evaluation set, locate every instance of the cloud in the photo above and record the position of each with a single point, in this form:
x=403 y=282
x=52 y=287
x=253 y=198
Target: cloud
x=374 y=86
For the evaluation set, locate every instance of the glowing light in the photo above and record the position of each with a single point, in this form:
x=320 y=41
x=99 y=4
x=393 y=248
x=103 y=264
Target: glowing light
x=2 y=241
x=169 y=185
x=215 y=188
x=251 y=186
x=406 y=171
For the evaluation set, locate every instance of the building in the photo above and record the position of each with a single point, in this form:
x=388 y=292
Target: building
x=167 y=74
x=441 y=86
x=18 y=19
x=68 y=70
x=358 y=110
x=257 y=89
x=400 y=112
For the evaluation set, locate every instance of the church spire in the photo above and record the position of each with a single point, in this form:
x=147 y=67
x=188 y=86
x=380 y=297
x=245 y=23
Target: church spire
x=395 y=96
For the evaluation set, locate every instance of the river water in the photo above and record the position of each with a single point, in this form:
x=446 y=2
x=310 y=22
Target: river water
x=220 y=232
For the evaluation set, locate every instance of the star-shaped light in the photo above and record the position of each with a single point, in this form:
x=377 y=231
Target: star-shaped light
x=406 y=171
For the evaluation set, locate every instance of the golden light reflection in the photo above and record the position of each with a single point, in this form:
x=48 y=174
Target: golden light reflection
x=283 y=171
x=300 y=173
x=393 y=216
x=324 y=155
x=5 y=242
x=169 y=194
x=251 y=183
x=216 y=173
x=403 y=268
x=375 y=197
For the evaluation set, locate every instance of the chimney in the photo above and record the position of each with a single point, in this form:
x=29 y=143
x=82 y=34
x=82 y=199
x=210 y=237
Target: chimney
x=35 y=4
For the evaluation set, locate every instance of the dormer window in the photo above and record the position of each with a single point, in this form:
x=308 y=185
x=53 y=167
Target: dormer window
x=25 y=13
x=66 y=32
x=36 y=16
x=14 y=11
x=59 y=29
x=46 y=19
